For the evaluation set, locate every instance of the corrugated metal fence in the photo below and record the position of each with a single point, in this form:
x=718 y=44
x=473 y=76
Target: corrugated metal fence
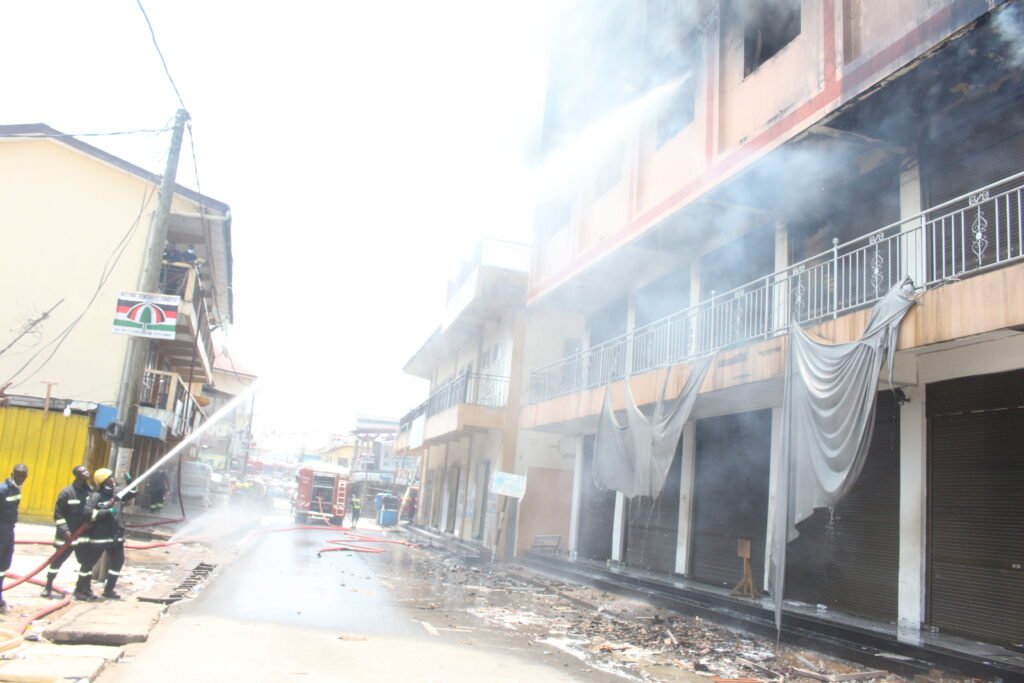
x=50 y=444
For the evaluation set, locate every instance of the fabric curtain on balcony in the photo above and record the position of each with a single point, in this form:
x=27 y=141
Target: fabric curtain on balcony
x=634 y=458
x=828 y=418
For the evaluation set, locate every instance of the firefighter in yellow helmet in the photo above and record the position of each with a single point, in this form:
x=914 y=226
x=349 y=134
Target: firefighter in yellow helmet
x=103 y=509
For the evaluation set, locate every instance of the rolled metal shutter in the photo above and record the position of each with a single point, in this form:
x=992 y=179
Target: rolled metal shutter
x=847 y=557
x=652 y=525
x=597 y=512
x=976 y=507
x=730 y=495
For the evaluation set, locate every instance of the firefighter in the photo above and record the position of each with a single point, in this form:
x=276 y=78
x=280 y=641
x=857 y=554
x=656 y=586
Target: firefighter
x=156 y=489
x=357 y=505
x=103 y=509
x=68 y=516
x=10 y=498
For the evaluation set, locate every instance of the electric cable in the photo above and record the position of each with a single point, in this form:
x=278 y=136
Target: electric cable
x=58 y=135
x=159 y=52
x=108 y=269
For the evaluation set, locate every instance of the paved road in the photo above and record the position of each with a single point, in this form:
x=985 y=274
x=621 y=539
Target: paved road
x=280 y=613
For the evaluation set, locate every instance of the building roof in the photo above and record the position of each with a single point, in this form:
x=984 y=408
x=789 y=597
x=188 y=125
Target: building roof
x=41 y=131
x=223 y=362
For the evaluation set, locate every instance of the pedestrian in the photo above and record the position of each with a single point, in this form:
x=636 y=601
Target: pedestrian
x=103 y=509
x=156 y=490
x=68 y=516
x=356 y=507
x=10 y=498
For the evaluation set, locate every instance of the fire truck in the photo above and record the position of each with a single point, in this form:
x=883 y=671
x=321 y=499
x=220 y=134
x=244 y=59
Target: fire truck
x=322 y=493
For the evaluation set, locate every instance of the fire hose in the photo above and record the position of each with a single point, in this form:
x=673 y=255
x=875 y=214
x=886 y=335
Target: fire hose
x=8 y=639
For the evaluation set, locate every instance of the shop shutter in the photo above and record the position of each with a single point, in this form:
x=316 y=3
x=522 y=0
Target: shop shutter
x=652 y=525
x=847 y=557
x=976 y=507
x=730 y=496
x=597 y=512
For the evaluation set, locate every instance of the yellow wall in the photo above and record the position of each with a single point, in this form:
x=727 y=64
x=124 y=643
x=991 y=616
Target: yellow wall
x=62 y=213
x=51 y=445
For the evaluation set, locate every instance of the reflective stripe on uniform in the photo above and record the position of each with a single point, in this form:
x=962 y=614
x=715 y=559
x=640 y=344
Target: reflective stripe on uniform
x=74 y=502
x=52 y=571
x=89 y=573
x=101 y=540
x=60 y=522
x=111 y=572
x=11 y=499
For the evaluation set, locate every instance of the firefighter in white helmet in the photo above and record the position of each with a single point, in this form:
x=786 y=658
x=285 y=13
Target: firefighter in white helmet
x=103 y=509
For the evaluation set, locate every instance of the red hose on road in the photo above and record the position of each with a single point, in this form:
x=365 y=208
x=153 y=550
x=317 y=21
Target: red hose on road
x=49 y=609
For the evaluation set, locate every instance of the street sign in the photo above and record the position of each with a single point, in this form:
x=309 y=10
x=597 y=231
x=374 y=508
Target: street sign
x=505 y=484
x=154 y=316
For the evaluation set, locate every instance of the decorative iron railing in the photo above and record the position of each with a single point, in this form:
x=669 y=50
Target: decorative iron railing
x=958 y=238
x=471 y=388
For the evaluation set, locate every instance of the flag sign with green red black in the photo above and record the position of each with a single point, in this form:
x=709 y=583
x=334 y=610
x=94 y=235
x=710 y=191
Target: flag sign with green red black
x=146 y=315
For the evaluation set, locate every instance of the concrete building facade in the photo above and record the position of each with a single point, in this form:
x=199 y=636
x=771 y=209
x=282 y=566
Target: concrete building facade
x=799 y=159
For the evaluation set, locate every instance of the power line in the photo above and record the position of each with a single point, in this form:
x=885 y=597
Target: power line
x=108 y=269
x=135 y=131
x=159 y=52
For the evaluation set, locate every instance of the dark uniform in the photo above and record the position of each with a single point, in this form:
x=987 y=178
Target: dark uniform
x=10 y=498
x=103 y=509
x=68 y=516
x=156 y=489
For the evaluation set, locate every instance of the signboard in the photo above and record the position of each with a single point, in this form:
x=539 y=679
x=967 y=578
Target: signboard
x=505 y=484
x=154 y=316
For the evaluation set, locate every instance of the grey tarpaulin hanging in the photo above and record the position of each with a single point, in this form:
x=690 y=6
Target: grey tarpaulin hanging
x=634 y=458
x=828 y=418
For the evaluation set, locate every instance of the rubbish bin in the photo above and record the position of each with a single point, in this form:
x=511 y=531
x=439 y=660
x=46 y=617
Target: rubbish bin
x=387 y=515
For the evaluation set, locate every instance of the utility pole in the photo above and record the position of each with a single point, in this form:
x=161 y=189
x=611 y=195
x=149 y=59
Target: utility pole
x=30 y=325
x=139 y=347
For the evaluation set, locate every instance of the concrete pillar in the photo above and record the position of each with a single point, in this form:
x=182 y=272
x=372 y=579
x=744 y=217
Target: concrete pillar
x=685 y=529
x=780 y=293
x=774 y=472
x=630 y=326
x=913 y=246
x=693 y=339
x=619 y=528
x=577 y=495
x=913 y=513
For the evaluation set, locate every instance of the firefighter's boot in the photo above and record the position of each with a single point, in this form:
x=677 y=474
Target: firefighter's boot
x=83 y=591
x=48 y=589
x=108 y=591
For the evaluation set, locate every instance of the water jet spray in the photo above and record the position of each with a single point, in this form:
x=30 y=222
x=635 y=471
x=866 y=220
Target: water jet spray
x=187 y=441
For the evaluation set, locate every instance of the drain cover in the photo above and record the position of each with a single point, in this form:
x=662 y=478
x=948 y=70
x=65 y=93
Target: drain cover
x=168 y=594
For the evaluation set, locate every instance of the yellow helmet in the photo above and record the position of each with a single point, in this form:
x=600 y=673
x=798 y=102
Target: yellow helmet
x=101 y=475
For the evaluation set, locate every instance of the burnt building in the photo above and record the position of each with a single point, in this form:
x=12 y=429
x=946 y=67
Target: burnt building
x=791 y=162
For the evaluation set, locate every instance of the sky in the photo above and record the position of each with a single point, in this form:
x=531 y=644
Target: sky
x=363 y=148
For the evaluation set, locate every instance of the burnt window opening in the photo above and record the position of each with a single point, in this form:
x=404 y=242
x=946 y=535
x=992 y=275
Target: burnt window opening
x=677 y=114
x=767 y=28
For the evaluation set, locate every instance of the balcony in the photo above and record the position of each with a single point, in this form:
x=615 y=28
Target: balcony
x=961 y=238
x=191 y=352
x=470 y=402
x=165 y=397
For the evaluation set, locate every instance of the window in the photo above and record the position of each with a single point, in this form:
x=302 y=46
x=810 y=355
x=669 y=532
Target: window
x=610 y=171
x=767 y=28
x=677 y=114
x=553 y=214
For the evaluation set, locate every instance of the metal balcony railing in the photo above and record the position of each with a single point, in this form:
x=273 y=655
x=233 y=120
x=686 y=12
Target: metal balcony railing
x=182 y=279
x=474 y=389
x=959 y=238
x=167 y=391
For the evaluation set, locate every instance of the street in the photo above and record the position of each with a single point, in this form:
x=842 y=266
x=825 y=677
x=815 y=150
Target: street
x=281 y=613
